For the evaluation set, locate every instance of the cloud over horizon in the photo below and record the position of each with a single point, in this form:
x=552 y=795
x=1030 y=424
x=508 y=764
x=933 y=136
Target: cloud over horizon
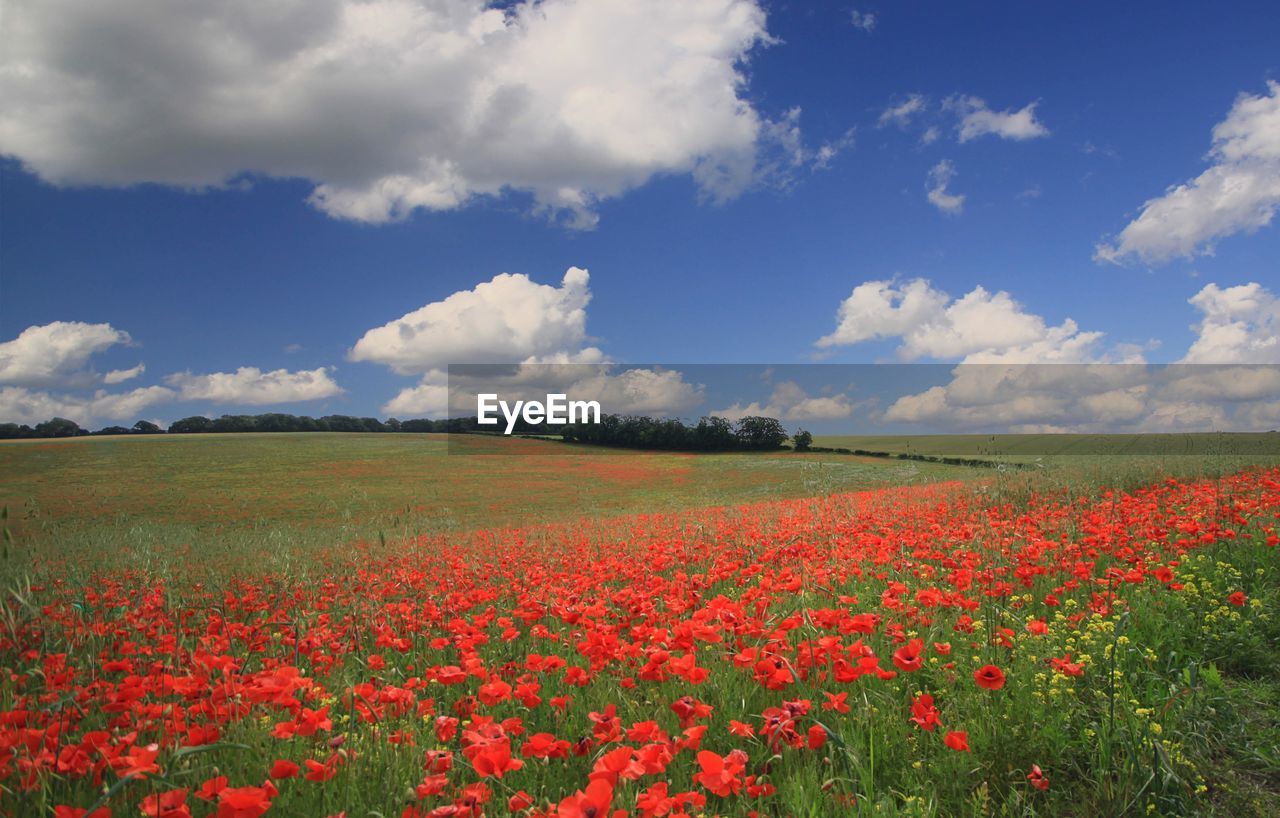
x=512 y=319
x=1001 y=380
x=45 y=372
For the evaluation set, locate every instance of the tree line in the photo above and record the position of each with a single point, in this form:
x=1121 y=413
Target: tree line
x=710 y=434
x=625 y=431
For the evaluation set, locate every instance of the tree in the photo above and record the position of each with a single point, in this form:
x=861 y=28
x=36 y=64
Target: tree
x=146 y=427
x=759 y=433
x=235 y=423
x=192 y=425
x=714 y=434
x=59 y=427
x=802 y=440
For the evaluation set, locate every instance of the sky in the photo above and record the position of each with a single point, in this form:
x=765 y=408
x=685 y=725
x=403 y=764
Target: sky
x=317 y=206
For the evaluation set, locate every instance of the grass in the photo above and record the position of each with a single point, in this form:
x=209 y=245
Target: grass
x=1250 y=444
x=207 y=490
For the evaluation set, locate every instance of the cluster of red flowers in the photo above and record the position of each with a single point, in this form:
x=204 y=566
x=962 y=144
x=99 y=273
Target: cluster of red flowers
x=499 y=660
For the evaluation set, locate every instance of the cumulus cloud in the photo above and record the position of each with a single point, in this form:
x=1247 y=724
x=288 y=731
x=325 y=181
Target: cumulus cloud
x=250 y=386
x=386 y=106
x=47 y=369
x=535 y=339
x=976 y=119
x=638 y=391
x=980 y=326
x=789 y=401
x=1010 y=376
x=1239 y=193
x=939 y=178
x=22 y=405
x=619 y=389
x=507 y=319
x=1008 y=396
x=1096 y=398
x=430 y=398
x=57 y=354
x=1238 y=325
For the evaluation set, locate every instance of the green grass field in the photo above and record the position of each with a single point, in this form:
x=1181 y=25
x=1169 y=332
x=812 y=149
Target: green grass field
x=330 y=487
x=1248 y=444
x=212 y=491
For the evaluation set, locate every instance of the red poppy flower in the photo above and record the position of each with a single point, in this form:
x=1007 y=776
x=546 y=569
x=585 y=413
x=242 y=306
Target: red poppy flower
x=719 y=774
x=171 y=804
x=989 y=677
x=243 y=802
x=1038 y=778
x=909 y=657
x=957 y=740
x=924 y=714
x=817 y=737
x=593 y=802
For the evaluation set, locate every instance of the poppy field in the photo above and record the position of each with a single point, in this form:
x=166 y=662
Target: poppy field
x=985 y=647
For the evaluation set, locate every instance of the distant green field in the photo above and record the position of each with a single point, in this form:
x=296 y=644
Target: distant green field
x=332 y=487
x=1262 y=444
x=136 y=500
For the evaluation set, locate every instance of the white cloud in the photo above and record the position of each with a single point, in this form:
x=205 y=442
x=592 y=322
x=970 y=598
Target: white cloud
x=1238 y=325
x=127 y=405
x=429 y=399
x=980 y=326
x=505 y=320
x=1260 y=416
x=882 y=309
x=251 y=386
x=1240 y=191
x=1091 y=398
x=638 y=391
x=121 y=375
x=864 y=20
x=976 y=120
x=56 y=354
x=1010 y=377
x=633 y=390
x=1223 y=384
x=386 y=106
x=902 y=113
x=939 y=177
x=21 y=405
x=790 y=402
x=537 y=329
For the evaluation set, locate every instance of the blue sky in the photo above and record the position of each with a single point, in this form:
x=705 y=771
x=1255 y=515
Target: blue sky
x=738 y=186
